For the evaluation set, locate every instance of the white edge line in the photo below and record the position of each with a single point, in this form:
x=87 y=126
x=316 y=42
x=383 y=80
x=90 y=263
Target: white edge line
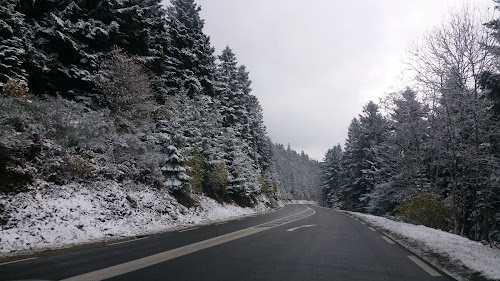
x=372 y=229
x=189 y=229
x=424 y=266
x=388 y=240
x=128 y=241
x=11 y=262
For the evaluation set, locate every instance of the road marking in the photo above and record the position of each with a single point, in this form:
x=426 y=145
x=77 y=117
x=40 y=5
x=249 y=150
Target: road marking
x=11 y=262
x=134 y=265
x=241 y=219
x=304 y=226
x=372 y=229
x=388 y=240
x=189 y=229
x=424 y=266
x=224 y=222
x=363 y=223
x=128 y=241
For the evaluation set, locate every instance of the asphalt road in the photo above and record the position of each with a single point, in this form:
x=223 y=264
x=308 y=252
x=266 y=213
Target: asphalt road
x=294 y=243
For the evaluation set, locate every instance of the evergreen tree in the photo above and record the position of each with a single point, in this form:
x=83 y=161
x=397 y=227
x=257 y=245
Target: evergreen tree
x=190 y=63
x=363 y=159
x=404 y=155
x=12 y=52
x=351 y=162
x=174 y=170
x=332 y=177
x=68 y=39
x=231 y=96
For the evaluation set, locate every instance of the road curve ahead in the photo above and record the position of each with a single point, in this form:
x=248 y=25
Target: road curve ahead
x=294 y=243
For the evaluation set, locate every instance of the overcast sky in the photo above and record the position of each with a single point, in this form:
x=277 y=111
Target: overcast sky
x=314 y=64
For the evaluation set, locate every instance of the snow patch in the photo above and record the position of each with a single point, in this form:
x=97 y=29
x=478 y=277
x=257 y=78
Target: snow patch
x=52 y=217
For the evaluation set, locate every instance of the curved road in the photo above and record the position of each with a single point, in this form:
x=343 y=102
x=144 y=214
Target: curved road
x=297 y=242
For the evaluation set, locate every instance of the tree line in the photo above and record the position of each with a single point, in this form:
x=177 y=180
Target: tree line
x=132 y=92
x=430 y=154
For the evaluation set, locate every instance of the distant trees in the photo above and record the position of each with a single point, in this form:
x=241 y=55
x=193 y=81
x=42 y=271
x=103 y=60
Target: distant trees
x=296 y=175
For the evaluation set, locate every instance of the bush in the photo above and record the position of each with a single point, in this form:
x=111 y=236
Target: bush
x=217 y=178
x=14 y=89
x=196 y=169
x=126 y=86
x=428 y=208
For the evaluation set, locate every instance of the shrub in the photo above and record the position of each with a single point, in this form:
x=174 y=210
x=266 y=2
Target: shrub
x=264 y=187
x=14 y=89
x=428 y=208
x=217 y=178
x=126 y=86
x=196 y=169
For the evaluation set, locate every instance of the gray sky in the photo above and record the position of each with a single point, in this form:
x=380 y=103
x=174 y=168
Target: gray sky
x=315 y=63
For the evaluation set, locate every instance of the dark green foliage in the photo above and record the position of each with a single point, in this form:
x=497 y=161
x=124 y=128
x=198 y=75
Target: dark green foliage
x=363 y=158
x=190 y=64
x=197 y=170
x=332 y=177
x=12 y=52
x=67 y=39
x=427 y=208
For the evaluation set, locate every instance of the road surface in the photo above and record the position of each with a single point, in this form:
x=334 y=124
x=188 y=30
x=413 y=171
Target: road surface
x=297 y=242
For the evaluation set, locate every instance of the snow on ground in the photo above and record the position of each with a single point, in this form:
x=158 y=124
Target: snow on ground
x=51 y=216
x=471 y=254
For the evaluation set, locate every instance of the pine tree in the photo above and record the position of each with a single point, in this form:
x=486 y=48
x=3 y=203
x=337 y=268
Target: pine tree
x=68 y=39
x=12 y=52
x=363 y=160
x=404 y=155
x=332 y=177
x=351 y=162
x=174 y=170
x=190 y=63
x=231 y=97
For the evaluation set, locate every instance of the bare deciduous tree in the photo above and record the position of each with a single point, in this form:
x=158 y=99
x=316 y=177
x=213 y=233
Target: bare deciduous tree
x=447 y=65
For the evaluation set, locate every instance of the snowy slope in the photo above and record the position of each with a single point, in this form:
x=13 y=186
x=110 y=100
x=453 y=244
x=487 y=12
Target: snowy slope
x=51 y=216
x=460 y=251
